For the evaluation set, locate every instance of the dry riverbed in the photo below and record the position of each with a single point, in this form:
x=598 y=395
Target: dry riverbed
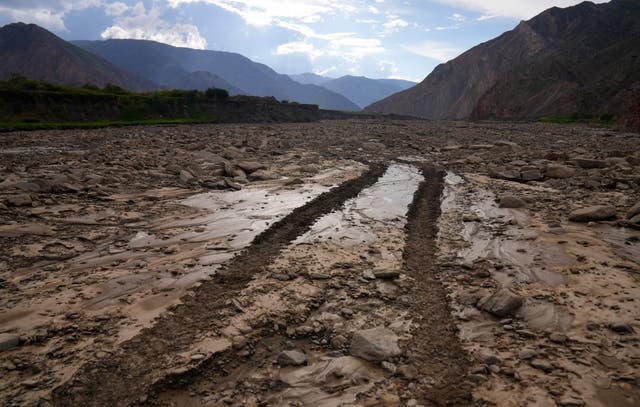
x=335 y=263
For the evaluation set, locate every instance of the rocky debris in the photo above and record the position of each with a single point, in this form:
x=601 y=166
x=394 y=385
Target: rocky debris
x=523 y=174
x=593 y=214
x=542 y=364
x=634 y=211
x=509 y=201
x=589 y=164
x=19 y=200
x=502 y=303
x=8 y=341
x=375 y=344
x=292 y=358
x=559 y=171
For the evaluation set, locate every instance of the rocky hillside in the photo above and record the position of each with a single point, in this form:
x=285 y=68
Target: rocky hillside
x=34 y=52
x=169 y=66
x=579 y=60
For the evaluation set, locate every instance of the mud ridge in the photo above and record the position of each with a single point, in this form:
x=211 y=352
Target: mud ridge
x=126 y=377
x=438 y=353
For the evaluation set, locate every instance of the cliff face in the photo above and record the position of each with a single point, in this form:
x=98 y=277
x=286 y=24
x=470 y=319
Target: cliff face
x=582 y=59
x=34 y=52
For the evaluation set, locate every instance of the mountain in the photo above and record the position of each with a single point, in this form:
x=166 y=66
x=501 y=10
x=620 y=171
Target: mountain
x=359 y=89
x=168 y=65
x=36 y=53
x=364 y=91
x=578 y=60
x=310 y=78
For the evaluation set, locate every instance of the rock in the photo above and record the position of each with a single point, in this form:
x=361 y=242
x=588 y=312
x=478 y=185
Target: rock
x=501 y=304
x=527 y=354
x=531 y=175
x=368 y=275
x=233 y=185
x=559 y=171
x=509 y=201
x=386 y=274
x=232 y=171
x=622 y=328
x=339 y=342
x=571 y=402
x=263 y=175
x=187 y=177
x=251 y=166
x=8 y=341
x=589 y=164
x=504 y=173
x=19 y=200
x=558 y=337
x=292 y=358
x=375 y=344
x=542 y=365
x=635 y=220
x=634 y=211
x=593 y=213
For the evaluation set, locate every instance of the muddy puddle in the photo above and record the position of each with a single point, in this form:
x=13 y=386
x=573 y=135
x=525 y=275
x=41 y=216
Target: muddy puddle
x=318 y=292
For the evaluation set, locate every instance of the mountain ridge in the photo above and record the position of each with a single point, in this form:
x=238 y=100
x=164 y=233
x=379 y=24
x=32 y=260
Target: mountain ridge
x=561 y=62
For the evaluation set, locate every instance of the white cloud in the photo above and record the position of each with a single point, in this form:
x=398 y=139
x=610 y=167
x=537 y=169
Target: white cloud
x=115 y=9
x=395 y=25
x=267 y=12
x=521 y=9
x=458 y=18
x=298 y=47
x=388 y=68
x=440 y=51
x=325 y=71
x=142 y=24
x=46 y=13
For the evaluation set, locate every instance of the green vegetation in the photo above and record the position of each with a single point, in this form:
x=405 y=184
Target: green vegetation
x=29 y=104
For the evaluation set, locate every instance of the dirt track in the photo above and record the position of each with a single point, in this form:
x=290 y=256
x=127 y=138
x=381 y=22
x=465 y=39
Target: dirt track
x=269 y=265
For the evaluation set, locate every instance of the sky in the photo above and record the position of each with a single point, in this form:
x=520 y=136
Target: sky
x=403 y=39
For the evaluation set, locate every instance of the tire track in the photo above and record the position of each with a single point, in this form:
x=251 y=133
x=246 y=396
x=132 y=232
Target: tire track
x=126 y=377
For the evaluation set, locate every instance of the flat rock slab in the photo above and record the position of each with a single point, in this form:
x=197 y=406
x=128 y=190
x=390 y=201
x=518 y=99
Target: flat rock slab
x=502 y=303
x=375 y=344
x=593 y=213
x=8 y=341
x=559 y=171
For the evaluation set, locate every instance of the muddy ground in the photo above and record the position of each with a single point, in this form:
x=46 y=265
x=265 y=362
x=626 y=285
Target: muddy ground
x=339 y=263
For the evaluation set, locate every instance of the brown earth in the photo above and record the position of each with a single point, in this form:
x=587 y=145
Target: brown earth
x=250 y=264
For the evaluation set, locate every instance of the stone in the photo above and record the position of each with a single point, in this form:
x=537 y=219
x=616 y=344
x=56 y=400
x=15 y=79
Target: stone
x=589 y=164
x=558 y=337
x=386 y=274
x=509 y=201
x=187 y=177
x=505 y=174
x=622 y=328
x=251 y=166
x=571 y=402
x=531 y=175
x=262 y=175
x=19 y=200
x=339 y=342
x=559 y=171
x=541 y=364
x=635 y=220
x=292 y=358
x=593 y=213
x=502 y=303
x=8 y=341
x=634 y=211
x=233 y=185
x=375 y=344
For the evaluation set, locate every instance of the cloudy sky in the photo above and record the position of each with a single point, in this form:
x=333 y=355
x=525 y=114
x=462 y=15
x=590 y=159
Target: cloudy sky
x=376 y=38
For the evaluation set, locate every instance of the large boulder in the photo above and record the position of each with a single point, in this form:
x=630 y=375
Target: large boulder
x=502 y=303
x=593 y=213
x=375 y=344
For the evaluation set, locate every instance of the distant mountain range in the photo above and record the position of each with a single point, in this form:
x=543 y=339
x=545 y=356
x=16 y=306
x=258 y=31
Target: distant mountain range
x=359 y=89
x=583 y=59
x=34 y=52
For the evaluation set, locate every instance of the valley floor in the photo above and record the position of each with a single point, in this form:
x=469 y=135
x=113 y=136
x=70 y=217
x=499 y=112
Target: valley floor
x=355 y=262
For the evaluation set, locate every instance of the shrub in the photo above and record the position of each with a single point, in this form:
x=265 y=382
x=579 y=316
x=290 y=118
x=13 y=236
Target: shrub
x=215 y=93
